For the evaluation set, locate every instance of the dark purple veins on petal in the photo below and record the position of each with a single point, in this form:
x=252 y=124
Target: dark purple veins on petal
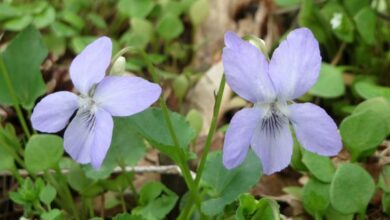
x=272 y=124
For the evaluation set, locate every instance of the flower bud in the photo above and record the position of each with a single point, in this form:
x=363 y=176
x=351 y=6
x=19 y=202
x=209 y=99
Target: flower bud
x=257 y=42
x=118 y=68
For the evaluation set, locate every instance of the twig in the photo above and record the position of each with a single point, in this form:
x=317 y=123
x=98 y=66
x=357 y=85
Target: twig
x=163 y=169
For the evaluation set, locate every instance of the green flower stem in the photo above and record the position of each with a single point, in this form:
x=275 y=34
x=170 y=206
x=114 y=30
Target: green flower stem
x=62 y=202
x=16 y=174
x=67 y=193
x=213 y=126
x=182 y=161
x=14 y=98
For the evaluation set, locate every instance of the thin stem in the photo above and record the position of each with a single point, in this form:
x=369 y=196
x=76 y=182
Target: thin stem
x=15 y=100
x=211 y=133
x=67 y=193
x=123 y=201
x=182 y=161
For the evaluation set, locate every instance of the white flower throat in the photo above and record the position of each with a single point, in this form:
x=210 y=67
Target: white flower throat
x=87 y=103
x=274 y=116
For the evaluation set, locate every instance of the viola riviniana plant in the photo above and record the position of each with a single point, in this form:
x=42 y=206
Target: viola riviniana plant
x=88 y=136
x=271 y=87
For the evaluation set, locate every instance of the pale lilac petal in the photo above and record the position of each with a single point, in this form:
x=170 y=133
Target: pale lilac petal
x=315 y=129
x=126 y=95
x=103 y=134
x=246 y=70
x=79 y=136
x=295 y=64
x=274 y=148
x=52 y=113
x=239 y=135
x=90 y=65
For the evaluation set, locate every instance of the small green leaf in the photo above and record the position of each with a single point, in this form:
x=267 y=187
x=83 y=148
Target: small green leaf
x=195 y=119
x=170 y=27
x=47 y=194
x=351 y=189
x=362 y=132
x=330 y=83
x=136 y=8
x=386 y=203
x=18 y=24
x=384 y=179
x=22 y=60
x=380 y=106
x=199 y=11
x=80 y=42
x=354 y=6
x=369 y=90
x=342 y=25
x=43 y=152
x=54 y=214
x=225 y=185
x=63 y=30
x=365 y=21
x=156 y=201
x=319 y=166
x=81 y=183
x=152 y=125
x=45 y=18
x=315 y=197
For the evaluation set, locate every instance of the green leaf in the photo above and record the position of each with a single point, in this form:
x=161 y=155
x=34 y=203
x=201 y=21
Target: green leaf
x=199 y=12
x=9 y=143
x=287 y=3
x=319 y=166
x=386 y=203
x=55 y=44
x=47 y=194
x=365 y=21
x=80 y=42
x=195 y=119
x=362 y=132
x=309 y=16
x=351 y=189
x=45 y=18
x=156 y=201
x=73 y=19
x=384 y=179
x=43 y=152
x=330 y=83
x=225 y=185
x=18 y=24
x=135 y=8
x=354 y=6
x=170 y=27
x=369 y=90
x=380 y=106
x=22 y=60
x=126 y=216
x=140 y=35
x=54 y=214
x=151 y=125
x=81 y=183
x=333 y=214
x=97 y=20
x=264 y=209
x=315 y=197
x=342 y=25
x=63 y=30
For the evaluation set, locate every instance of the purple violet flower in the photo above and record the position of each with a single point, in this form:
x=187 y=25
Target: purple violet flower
x=271 y=86
x=88 y=136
